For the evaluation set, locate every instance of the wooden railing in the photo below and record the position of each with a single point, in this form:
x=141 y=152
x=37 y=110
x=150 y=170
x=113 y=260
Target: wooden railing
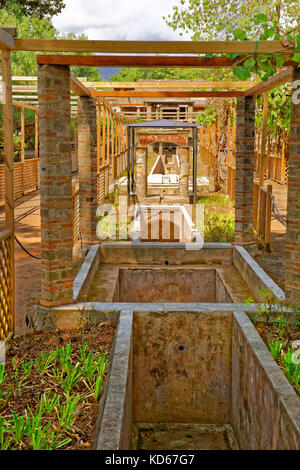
x=6 y=283
x=230 y=183
x=26 y=178
x=119 y=164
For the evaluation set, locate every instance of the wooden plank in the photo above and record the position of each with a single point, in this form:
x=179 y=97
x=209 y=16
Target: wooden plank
x=139 y=61
x=279 y=79
x=162 y=84
x=153 y=47
x=77 y=87
x=24 y=105
x=6 y=40
x=170 y=94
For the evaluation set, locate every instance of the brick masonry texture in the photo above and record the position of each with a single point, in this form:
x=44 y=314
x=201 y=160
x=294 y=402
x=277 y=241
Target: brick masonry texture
x=55 y=184
x=244 y=169
x=292 y=246
x=87 y=168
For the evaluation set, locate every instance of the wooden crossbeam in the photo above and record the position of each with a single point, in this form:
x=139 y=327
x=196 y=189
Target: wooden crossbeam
x=279 y=79
x=140 y=61
x=163 y=84
x=153 y=47
x=170 y=94
x=78 y=87
x=24 y=105
x=6 y=39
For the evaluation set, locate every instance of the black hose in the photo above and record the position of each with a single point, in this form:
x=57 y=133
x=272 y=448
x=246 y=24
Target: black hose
x=26 y=251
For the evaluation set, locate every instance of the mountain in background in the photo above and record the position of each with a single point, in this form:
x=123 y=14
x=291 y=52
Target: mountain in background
x=107 y=72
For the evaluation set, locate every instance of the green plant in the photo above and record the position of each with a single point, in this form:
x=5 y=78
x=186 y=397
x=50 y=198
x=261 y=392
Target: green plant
x=291 y=368
x=275 y=348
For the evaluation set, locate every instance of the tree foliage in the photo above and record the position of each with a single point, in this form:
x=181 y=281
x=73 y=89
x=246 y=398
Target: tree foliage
x=234 y=20
x=215 y=19
x=38 y=8
x=24 y=63
x=133 y=74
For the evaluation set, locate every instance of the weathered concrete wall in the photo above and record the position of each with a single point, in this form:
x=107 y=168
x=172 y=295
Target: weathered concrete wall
x=292 y=247
x=116 y=412
x=167 y=285
x=244 y=169
x=253 y=275
x=87 y=168
x=265 y=411
x=182 y=367
x=163 y=253
x=56 y=184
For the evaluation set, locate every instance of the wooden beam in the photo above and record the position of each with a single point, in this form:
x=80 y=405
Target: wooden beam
x=77 y=87
x=6 y=40
x=139 y=61
x=263 y=139
x=279 y=79
x=153 y=47
x=24 y=105
x=163 y=84
x=170 y=94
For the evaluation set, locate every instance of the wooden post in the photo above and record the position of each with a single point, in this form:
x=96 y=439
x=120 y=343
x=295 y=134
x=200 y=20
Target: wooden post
x=263 y=139
x=36 y=145
x=108 y=137
x=23 y=148
x=36 y=133
x=268 y=219
x=9 y=165
x=104 y=127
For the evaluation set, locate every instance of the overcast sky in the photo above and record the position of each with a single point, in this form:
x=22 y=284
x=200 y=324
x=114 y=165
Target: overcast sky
x=118 y=19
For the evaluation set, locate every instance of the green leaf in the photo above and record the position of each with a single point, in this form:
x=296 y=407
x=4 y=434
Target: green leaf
x=279 y=60
x=268 y=74
x=239 y=34
x=261 y=18
x=241 y=72
x=249 y=63
x=296 y=57
x=297 y=42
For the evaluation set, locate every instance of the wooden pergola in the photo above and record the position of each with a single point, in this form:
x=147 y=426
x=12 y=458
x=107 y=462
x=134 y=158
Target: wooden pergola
x=178 y=58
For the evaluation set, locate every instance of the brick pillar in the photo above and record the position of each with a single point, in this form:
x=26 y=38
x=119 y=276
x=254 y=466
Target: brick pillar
x=292 y=245
x=55 y=184
x=87 y=169
x=184 y=172
x=244 y=170
x=141 y=173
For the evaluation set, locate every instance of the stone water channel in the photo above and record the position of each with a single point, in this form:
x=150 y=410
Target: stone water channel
x=188 y=370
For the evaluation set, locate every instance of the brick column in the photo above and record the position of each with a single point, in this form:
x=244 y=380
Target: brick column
x=184 y=172
x=292 y=245
x=87 y=169
x=244 y=170
x=141 y=173
x=56 y=184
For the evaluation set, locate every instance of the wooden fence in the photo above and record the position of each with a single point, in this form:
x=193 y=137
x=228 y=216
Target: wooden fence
x=26 y=178
x=6 y=283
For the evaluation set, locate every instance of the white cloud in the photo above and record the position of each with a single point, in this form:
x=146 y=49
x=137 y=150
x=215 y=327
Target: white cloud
x=117 y=19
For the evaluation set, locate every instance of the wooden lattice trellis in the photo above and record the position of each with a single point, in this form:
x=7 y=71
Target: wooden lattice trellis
x=6 y=284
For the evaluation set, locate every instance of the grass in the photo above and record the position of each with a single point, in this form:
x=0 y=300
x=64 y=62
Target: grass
x=218 y=217
x=50 y=400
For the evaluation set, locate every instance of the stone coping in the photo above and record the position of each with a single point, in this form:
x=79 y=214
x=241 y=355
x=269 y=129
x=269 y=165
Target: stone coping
x=253 y=273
